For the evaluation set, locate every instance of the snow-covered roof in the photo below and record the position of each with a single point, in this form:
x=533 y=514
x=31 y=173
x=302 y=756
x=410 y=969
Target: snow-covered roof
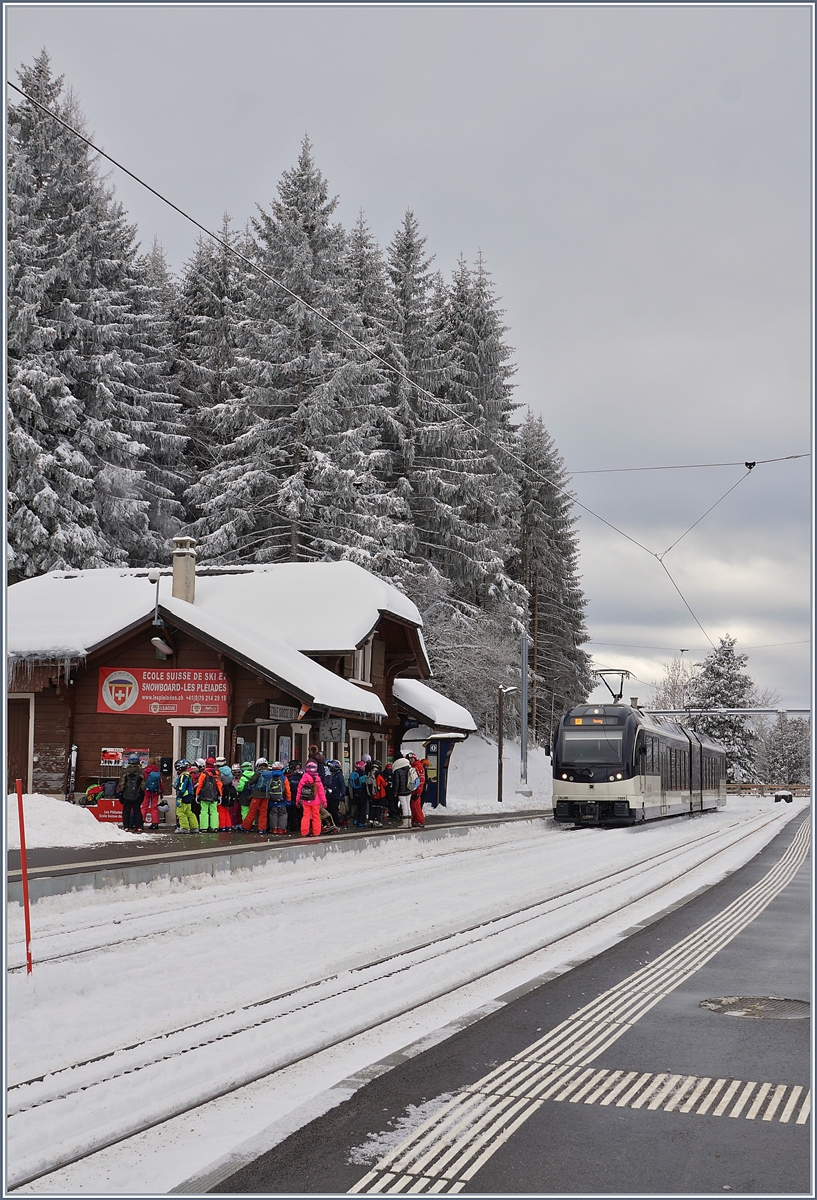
x=291 y=667
x=316 y=607
x=441 y=712
x=271 y=615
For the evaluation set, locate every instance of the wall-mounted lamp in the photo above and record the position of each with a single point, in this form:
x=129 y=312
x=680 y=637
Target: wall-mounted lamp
x=154 y=575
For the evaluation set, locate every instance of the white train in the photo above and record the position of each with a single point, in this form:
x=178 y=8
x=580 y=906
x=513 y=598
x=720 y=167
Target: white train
x=615 y=765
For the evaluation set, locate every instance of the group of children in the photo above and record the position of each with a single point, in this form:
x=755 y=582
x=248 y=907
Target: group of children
x=270 y=798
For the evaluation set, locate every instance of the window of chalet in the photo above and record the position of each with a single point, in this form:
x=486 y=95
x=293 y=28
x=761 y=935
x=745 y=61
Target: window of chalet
x=362 y=664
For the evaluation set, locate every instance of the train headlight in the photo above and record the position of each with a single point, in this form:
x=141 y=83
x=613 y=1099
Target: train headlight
x=613 y=778
x=618 y=776
x=564 y=776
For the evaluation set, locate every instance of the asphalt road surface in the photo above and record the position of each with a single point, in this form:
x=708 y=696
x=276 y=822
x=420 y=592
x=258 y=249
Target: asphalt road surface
x=663 y=1105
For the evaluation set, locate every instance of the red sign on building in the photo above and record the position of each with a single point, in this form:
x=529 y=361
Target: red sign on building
x=166 y=690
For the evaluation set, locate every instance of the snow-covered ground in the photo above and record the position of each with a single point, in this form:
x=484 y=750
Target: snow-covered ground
x=472 y=778
x=50 y=822
x=158 y=996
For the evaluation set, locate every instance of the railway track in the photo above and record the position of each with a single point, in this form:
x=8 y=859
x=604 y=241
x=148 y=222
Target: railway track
x=247 y=1043
x=105 y=935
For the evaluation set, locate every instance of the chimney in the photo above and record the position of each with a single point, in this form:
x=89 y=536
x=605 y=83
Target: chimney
x=184 y=569
x=633 y=699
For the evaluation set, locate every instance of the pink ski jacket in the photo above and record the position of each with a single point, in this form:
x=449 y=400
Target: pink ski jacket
x=320 y=794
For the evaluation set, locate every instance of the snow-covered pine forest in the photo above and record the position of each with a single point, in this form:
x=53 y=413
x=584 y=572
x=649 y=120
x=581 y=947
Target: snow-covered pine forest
x=223 y=404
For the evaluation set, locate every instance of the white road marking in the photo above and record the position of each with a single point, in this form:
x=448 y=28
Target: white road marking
x=760 y=1096
x=689 y=1104
x=771 y=1107
x=785 y=1116
x=727 y=1096
x=719 y=1083
x=744 y=1096
x=680 y=1092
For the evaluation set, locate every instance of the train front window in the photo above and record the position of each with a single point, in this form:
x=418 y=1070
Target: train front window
x=586 y=747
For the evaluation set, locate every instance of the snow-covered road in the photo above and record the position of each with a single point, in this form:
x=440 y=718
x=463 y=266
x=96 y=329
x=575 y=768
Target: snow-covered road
x=147 y=1001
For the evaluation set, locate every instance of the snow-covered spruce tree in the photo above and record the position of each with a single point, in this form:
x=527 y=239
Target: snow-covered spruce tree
x=86 y=394
x=472 y=650
x=479 y=498
x=52 y=519
x=153 y=298
x=440 y=465
x=300 y=481
x=783 y=751
x=208 y=378
x=547 y=563
x=720 y=683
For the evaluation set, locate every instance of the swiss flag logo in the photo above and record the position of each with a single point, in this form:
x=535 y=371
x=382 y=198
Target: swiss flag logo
x=120 y=693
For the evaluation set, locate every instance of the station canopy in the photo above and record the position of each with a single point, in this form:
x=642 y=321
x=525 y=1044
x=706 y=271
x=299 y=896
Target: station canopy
x=431 y=707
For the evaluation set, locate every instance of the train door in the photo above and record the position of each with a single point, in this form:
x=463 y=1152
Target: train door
x=696 y=796
x=665 y=760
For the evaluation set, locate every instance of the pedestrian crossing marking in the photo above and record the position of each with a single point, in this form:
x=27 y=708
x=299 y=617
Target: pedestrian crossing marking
x=489 y=1120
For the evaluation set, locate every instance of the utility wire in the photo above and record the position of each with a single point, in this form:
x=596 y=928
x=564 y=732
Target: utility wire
x=367 y=349
x=687 y=466
x=696 y=649
x=686 y=605
x=660 y=557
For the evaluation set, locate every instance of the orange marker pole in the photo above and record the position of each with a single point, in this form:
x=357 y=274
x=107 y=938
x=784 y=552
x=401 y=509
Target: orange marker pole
x=24 y=869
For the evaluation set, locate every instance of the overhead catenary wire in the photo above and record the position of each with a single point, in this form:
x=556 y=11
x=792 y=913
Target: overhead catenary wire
x=685 y=466
x=366 y=348
x=696 y=649
x=661 y=556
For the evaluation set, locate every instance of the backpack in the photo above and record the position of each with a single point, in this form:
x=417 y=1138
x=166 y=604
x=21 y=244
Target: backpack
x=209 y=789
x=275 y=789
x=184 y=786
x=414 y=778
x=109 y=788
x=132 y=791
x=308 y=792
x=153 y=783
x=376 y=786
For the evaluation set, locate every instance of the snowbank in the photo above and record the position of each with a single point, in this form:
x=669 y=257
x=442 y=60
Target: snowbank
x=472 y=778
x=52 y=822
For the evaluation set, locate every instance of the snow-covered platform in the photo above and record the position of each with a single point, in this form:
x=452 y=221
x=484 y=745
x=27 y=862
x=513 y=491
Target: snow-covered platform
x=140 y=859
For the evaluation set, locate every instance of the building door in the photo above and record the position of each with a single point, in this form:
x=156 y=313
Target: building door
x=200 y=743
x=19 y=715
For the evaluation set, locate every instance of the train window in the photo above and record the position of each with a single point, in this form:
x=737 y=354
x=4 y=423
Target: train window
x=592 y=746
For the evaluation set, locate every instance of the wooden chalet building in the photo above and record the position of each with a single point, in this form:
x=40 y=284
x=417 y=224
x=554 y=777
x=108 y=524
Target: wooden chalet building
x=185 y=661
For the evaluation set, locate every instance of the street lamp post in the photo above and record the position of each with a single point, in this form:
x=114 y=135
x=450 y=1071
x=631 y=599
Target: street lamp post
x=523 y=773
x=503 y=692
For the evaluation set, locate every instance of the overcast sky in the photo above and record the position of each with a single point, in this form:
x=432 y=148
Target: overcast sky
x=638 y=180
